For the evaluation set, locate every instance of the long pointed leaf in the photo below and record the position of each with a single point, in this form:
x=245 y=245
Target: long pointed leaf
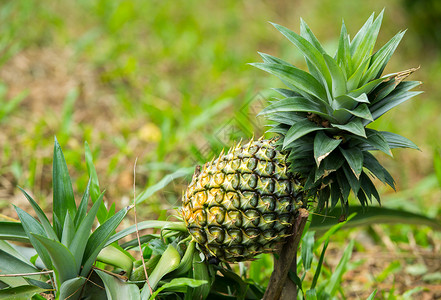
x=337 y=75
x=397 y=141
x=355 y=127
x=307 y=33
x=94 y=185
x=12 y=231
x=63 y=198
x=309 y=51
x=99 y=238
x=68 y=231
x=82 y=208
x=63 y=261
x=41 y=216
x=372 y=215
x=296 y=104
x=300 y=129
x=30 y=225
x=82 y=235
x=301 y=80
x=354 y=157
x=343 y=55
x=323 y=146
x=381 y=58
x=117 y=289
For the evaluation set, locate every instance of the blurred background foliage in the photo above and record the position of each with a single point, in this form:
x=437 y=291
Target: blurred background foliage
x=167 y=83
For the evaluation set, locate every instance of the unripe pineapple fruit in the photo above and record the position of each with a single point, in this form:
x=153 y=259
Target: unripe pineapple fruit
x=242 y=203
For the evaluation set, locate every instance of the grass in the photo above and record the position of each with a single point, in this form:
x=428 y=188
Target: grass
x=167 y=82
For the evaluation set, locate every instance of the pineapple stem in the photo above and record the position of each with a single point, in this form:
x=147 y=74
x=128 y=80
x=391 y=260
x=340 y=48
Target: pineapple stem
x=279 y=286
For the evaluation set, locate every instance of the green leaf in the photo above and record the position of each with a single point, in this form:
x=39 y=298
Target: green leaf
x=201 y=271
x=362 y=111
x=30 y=226
x=299 y=79
x=180 y=226
x=38 y=283
x=354 y=80
x=366 y=216
x=372 y=164
x=296 y=104
x=20 y=292
x=68 y=231
x=397 y=141
x=343 y=55
x=72 y=288
x=383 y=106
x=364 y=42
x=368 y=87
x=307 y=249
x=94 y=184
x=307 y=33
x=81 y=237
x=179 y=282
x=323 y=146
x=10 y=264
x=117 y=289
x=372 y=295
x=82 y=208
x=12 y=231
x=163 y=183
x=63 y=198
x=273 y=60
x=355 y=127
x=168 y=262
x=311 y=294
x=337 y=75
x=374 y=141
x=115 y=256
x=336 y=277
x=41 y=216
x=309 y=51
x=381 y=58
x=300 y=129
x=62 y=260
x=286 y=92
x=355 y=158
x=351 y=179
x=368 y=187
x=360 y=36
x=319 y=265
x=99 y=238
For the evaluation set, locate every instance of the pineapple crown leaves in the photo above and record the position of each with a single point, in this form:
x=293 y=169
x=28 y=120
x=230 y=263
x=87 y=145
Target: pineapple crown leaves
x=322 y=115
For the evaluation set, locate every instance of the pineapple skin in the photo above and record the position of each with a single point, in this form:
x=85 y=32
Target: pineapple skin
x=243 y=203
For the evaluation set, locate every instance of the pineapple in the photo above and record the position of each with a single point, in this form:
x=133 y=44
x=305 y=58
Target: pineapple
x=243 y=203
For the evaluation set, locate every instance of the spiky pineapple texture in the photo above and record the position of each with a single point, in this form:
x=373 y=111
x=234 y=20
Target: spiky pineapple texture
x=322 y=116
x=243 y=202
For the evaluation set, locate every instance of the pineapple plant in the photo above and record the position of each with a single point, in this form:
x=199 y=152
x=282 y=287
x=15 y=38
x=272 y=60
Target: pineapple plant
x=244 y=202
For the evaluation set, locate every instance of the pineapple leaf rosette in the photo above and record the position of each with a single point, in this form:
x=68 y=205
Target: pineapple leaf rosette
x=244 y=202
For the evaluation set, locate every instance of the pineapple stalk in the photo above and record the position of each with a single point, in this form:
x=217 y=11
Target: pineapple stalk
x=279 y=287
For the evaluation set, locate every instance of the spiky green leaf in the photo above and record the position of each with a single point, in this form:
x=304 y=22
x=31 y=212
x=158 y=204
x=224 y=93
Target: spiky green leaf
x=355 y=158
x=300 y=129
x=63 y=196
x=323 y=146
x=355 y=127
x=302 y=81
x=312 y=55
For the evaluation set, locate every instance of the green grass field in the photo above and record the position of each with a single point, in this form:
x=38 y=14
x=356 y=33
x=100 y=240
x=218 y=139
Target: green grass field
x=167 y=84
